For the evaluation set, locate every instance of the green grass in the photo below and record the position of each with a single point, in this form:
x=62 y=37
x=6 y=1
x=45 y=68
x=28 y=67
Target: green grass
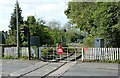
x=10 y=57
x=103 y=61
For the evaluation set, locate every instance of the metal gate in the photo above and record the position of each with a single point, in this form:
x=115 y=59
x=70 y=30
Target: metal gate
x=50 y=54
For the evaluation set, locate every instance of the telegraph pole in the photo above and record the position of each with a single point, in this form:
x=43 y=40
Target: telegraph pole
x=29 y=43
x=17 y=29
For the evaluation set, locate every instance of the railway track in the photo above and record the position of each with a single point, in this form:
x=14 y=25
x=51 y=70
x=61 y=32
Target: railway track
x=42 y=71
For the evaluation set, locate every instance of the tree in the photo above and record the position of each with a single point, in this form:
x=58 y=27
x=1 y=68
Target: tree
x=54 y=24
x=97 y=20
x=12 y=26
x=55 y=31
x=38 y=28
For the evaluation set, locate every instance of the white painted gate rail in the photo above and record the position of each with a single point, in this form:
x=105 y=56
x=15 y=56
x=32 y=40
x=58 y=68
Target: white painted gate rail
x=100 y=54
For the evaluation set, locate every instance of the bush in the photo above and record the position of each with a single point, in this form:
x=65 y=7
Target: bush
x=10 y=57
x=88 y=42
x=71 y=49
x=24 y=57
x=103 y=61
x=44 y=53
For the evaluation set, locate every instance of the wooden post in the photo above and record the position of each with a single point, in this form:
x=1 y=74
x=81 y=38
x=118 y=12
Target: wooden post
x=67 y=54
x=117 y=53
x=82 y=54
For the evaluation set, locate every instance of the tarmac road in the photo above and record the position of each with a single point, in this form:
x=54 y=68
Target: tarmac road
x=93 y=69
x=17 y=67
x=10 y=66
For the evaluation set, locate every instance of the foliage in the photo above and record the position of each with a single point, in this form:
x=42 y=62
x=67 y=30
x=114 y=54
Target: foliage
x=24 y=57
x=12 y=26
x=54 y=24
x=44 y=53
x=49 y=33
x=2 y=38
x=10 y=57
x=38 y=28
x=88 y=42
x=103 y=61
x=55 y=31
x=97 y=19
x=11 y=40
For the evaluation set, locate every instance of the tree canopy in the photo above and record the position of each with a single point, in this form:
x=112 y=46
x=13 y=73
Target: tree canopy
x=12 y=31
x=97 y=19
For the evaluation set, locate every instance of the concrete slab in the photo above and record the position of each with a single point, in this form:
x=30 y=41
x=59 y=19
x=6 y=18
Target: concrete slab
x=45 y=70
x=63 y=69
x=29 y=69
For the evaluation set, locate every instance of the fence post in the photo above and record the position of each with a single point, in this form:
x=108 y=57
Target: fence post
x=67 y=54
x=75 y=54
x=115 y=50
x=117 y=53
x=110 y=53
x=53 y=53
x=82 y=54
x=106 y=54
x=113 y=54
x=100 y=53
x=2 y=51
x=95 y=53
x=89 y=50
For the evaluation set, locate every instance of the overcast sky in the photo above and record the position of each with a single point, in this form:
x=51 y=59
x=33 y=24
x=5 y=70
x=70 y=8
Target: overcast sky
x=47 y=9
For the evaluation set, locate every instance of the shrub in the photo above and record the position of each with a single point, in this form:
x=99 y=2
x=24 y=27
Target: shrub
x=103 y=61
x=88 y=42
x=24 y=57
x=44 y=52
x=10 y=57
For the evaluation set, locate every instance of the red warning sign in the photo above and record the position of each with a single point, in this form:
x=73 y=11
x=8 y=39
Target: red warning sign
x=85 y=49
x=60 y=50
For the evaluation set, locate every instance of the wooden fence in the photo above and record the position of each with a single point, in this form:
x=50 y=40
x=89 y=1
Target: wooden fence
x=100 y=54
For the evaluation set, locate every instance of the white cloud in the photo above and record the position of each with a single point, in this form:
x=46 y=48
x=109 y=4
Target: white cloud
x=2 y=26
x=47 y=9
x=7 y=2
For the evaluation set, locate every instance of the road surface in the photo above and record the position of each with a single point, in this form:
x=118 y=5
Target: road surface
x=38 y=68
x=93 y=69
